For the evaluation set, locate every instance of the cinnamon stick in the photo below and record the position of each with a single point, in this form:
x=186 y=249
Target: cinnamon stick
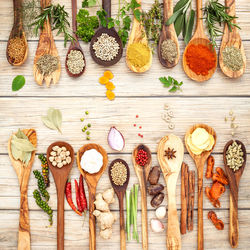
x=184 y=197
x=190 y=218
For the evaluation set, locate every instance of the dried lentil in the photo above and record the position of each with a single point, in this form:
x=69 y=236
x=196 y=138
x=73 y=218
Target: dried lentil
x=75 y=62
x=232 y=58
x=169 y=50
x=119 y=173
x=235 y=156
x=47 y=64
x=16 y=49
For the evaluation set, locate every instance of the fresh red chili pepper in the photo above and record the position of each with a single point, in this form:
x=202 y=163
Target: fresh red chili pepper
x=78 y=197
x=68 y=193
x=83 y=199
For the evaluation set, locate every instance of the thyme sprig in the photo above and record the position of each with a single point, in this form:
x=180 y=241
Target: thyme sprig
x=215 y=15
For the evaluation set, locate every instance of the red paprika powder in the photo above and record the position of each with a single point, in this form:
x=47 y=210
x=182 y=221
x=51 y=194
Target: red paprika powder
x=200 y=59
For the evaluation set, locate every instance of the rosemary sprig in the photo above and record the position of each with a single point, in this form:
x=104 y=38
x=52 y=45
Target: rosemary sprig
x=215 y=15
x=58 y=18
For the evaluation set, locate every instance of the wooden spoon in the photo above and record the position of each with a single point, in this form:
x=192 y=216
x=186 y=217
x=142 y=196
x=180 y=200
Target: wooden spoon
x=23 y=174
x=199 y=37
x=234 y=181
x=17 y=31
x=60 y=176
x=138 y=35
x=170 y=169
x=45 y=46
x=142 y=174
x=231 y=39
x=120 y=192
x=106 y=5
x=200 y=162
x=74 y=44
x=92 y=180
x=168 y=32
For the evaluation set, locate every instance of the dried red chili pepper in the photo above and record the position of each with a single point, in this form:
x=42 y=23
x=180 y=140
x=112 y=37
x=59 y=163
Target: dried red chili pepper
x=210 y=166
x=68 y=193
x=217 y=223
x=78 y=197
x=83 y=199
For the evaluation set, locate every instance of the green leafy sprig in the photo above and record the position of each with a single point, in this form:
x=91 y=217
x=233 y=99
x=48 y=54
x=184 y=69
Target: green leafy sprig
x=171 y=83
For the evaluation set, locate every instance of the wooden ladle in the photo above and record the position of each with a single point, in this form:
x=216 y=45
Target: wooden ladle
x=138 y=35
x=199 y=37
x=200 y=162
x=74 y=45
x=231 y=39
x=120 y=192
x=17 y=31
x=234 y=181
x=106 y=5
x=168 y=32
x=60 y=176
x=170 y=168
x=23 y=174
x=92 y=180
x=46 y=45
x=142 y=174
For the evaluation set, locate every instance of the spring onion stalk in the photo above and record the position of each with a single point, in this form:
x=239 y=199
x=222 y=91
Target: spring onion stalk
x=128 y=209
x=135 y=233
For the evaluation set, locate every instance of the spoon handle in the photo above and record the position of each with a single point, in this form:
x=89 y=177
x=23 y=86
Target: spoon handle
x=122 y=228
x=199 y=20
x=60 y=218
x=74 y=11
x=17 y=5
x=234 y=224
x=167 y=9
x=106 y=5
x=92 y=228
x=200 y=207
x=231 y=8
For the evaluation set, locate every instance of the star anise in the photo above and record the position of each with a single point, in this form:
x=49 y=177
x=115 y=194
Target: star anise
x=170 y=153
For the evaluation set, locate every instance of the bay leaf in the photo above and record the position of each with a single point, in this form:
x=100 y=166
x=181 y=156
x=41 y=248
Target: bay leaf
x=48 y=123
x=17 y=154
x=53 y=120
x=57 y=119
x=23 y=144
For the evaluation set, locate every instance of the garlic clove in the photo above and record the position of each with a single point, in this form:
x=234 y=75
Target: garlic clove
x=156 y=226
x=160 y=212
x=115 y=139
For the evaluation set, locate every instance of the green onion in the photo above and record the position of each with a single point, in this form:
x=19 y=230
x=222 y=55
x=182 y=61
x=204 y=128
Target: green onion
x=135 y=233
x=128 y=209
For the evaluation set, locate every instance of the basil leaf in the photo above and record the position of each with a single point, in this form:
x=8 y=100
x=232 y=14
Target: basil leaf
x=178 y=24
x=18 y=82
x=137 y=14
x=190 y=26
x=173 y=17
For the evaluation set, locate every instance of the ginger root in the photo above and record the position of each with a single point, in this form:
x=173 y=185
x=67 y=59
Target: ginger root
x=101 y=204
x=104 y=219
x=108 y=195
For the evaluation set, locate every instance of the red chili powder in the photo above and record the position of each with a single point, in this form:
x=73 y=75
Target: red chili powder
x=200 y=59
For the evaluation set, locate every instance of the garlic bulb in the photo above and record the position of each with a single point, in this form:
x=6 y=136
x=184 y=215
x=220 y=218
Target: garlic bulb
x=160 y=212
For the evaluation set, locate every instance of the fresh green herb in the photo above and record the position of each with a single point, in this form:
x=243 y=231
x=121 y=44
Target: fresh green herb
x=134 y=211
x=128 y=209
x=183 y=19
x=58 y=18
x=18 y=82
x=88 y=3
x=215 y=15
x=53 y=120
x=171 y=82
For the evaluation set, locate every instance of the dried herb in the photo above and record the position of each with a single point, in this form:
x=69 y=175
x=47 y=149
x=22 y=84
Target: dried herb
x=232 y=58
x=47 y=64
x=53 y=120
x=171 y=82
x=18 y=82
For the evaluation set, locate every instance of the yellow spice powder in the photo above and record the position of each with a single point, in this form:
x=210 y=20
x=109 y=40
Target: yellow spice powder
x=138 y=54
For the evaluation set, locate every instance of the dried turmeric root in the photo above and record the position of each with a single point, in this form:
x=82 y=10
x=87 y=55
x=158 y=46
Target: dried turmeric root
x=217 y=223
x=108 y=74
x=210 y=166
x=215 y=192
x=220 y=176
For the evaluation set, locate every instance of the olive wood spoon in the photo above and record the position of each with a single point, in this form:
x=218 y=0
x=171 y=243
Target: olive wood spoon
x=234 y=181
x=200 y=162
x=171 y=169
x=168 y=32
x=60 y=176
x=23 y=174
x=138 y=35
x=199 y=37
x=120 y=192
x=74 y=45
x=106 y=5
x=17 y=31
x=142 y=174
x=231 y=39
x=92 y=180
x=46 y=45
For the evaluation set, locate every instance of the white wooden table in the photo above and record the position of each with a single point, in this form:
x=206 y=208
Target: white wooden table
x=144 y=95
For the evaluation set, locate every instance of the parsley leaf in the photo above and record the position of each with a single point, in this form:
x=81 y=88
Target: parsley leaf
x=171 y=82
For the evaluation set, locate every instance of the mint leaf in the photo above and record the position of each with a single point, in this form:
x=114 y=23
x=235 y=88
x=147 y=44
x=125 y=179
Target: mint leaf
x=18 y=82
x=137 y=14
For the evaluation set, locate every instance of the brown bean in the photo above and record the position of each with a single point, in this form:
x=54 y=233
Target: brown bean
x=154 y=175
x=157 y=200
x=155 y=189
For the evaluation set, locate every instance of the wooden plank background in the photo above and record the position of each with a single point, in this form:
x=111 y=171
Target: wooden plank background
x=144 y=95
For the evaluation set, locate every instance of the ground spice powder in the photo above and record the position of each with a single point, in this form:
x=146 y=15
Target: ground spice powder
x=138 y=54
x=200 y=59
x=232 y=58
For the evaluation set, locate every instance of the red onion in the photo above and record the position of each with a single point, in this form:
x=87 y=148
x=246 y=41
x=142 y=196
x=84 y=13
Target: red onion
x=115 y=139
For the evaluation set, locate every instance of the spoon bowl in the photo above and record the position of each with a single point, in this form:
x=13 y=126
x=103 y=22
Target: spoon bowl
x=142 y=174
x=234 y=181
x=120 y=192
x=92 y=180
x=60 y=176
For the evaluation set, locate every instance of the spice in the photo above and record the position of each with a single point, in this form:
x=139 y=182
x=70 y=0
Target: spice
x=119 y=173
x=232 y=118
x=232 y=58
x=78 y=197
x=53 y=120
x=191 y=192
x=47 y=64
x=83 y=199
x=210 y=167
x=106 y=47
x=142 y=157
x=217 y=223
x=60 y=156
x=169 y=50
x=91 y=161
x=156 y=226
x=170 y=153
x=45 y=169
x=75 y=62
x=138 y=54
x=200 y=59
x=16 y=49
x=41 y=185
x=235 y=156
